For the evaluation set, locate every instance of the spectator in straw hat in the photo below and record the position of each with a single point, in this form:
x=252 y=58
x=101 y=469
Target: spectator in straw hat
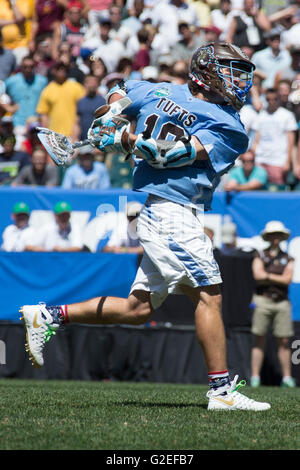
x=273 y=273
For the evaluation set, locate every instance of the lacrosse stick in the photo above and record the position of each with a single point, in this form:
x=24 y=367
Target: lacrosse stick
x=61 y=149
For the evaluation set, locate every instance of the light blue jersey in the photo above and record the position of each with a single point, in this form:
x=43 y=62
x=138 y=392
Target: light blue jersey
x=26 y=94
x=169 y=112
x=77 y=178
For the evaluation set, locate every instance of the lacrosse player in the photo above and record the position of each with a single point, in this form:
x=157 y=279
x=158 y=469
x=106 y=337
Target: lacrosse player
x=187 y=137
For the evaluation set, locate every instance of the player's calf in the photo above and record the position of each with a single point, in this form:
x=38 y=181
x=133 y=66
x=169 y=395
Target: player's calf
x=139 y=308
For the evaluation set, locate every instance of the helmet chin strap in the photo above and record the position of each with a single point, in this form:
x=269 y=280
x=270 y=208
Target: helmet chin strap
x=201 y=84
x=218 y=98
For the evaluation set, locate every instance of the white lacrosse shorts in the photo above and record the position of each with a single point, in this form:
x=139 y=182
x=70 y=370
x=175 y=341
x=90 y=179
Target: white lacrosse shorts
x=176 y=250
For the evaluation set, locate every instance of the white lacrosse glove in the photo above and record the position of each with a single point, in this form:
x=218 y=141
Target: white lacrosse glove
x=108 y=131
x=113 y=136
x=162 y=154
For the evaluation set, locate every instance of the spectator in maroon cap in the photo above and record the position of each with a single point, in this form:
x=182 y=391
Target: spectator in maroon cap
x=142 y=58
x=212 y=34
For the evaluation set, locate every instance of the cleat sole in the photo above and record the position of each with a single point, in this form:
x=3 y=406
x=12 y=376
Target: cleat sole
x=27 y=348
x=21 y=311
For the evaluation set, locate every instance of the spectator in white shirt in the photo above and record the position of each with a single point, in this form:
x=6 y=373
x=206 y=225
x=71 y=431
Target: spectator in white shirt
x=273 y=58
x=166 y=16
x=289 y=73
x=221 y=18
x=185 y=12
x=134 y=22
x=249 y=112
x=63 y=235
x=19 y=236
x=118 y=31
x=292 y=36
x=274 y=138
x=99 y=39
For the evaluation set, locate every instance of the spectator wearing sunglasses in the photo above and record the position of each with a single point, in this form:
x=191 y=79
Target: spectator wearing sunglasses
x=24 y=89
x=247 y=176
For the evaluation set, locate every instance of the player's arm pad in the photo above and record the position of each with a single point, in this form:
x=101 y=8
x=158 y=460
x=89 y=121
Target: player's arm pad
x=164 y=153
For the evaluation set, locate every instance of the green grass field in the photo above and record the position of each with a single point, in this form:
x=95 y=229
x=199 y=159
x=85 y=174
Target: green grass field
x=136 y=416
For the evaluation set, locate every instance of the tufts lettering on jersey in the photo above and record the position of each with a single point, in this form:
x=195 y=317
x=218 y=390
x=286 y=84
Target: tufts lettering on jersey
x=172 y=109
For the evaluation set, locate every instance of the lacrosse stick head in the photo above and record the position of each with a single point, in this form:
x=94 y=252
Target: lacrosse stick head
x=58 y=146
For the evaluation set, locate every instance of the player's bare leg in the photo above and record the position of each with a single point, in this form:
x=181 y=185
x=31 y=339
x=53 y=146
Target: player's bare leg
x=42 y=321
x=135 y=310
x=209 y=325
x=223 y=393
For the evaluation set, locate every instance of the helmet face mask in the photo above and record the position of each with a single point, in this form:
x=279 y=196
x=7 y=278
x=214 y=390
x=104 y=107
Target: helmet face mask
x=236 y=77
x=224 y=69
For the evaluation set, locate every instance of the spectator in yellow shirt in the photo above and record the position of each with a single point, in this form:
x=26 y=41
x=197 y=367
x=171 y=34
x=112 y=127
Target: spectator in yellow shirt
x=15 y=23
x=57 y=104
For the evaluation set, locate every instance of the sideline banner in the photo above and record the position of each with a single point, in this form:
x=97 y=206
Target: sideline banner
x=61 y=278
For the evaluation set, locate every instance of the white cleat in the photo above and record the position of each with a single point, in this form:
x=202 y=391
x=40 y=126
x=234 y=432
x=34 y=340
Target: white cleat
x=233 y=400
x=39 y=327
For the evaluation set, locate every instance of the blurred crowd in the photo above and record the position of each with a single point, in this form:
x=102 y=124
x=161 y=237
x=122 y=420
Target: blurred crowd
x=59 y=58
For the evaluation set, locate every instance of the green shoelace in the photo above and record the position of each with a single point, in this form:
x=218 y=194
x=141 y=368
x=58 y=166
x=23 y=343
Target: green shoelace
x=50 y=332
x=242 y=383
